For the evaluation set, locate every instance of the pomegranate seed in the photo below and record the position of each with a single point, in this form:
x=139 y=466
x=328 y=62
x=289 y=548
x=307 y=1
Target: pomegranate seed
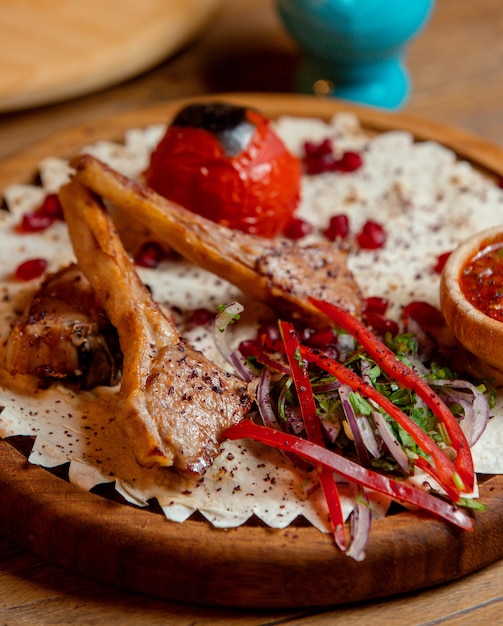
x=338 y=227
x=249 y=347
x=28 y=270
x=318 y=158
x=43 y=217
x=200 y=317
x=500 y=182
x=149 y=255
x=349 y=162
x=51 y=206
x=271 y=331
x=424 y=313
x=319 y=164
x=34 y=222
x=324 y=147
x=377 y=305
x=321 y=338
x=372 y=236
x=380 y=324
x=441 y=261
x=297 y=228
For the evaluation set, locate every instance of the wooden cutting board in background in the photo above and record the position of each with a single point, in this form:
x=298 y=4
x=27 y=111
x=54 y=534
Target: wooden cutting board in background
x=51 y=50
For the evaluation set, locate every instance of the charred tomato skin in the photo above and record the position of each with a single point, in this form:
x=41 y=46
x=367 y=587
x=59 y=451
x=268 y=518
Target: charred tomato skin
x=227 y=164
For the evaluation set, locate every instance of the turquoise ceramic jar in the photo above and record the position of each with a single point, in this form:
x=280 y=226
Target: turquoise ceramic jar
x=354 y=49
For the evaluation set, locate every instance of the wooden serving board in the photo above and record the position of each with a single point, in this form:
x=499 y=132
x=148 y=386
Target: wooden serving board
x=251 y=566
x=52 y=50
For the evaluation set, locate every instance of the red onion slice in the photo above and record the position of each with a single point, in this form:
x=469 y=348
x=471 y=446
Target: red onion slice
x=390 y=441
x=227 y=316
x=361 y=428
x=474 y=403
x=264 y=400
x=361 y=522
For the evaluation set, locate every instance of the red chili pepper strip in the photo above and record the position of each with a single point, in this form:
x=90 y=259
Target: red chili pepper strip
x=273 y=364
x=307 y=405
x=423 y=464
x=302 y=383
x=399 y=491
x=444 y=467
x=408 y=378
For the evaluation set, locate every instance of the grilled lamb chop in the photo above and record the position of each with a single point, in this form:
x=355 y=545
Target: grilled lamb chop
x=173 y=402
x=279 y=272
x=64 y=334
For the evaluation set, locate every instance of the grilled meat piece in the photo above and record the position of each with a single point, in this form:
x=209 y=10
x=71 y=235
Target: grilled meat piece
x=173 y=402
x=279 y=272
x=65 y=334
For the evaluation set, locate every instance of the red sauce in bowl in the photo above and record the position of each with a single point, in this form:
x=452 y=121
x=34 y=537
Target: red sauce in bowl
x=481 y=280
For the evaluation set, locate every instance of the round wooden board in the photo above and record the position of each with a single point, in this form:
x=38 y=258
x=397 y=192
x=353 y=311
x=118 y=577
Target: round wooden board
x=251 y=566
x=53 y=50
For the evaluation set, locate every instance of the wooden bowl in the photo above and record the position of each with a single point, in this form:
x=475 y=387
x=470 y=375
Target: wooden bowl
x=477 y=332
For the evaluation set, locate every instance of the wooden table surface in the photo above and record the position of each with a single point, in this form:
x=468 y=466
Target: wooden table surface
x=457 y=72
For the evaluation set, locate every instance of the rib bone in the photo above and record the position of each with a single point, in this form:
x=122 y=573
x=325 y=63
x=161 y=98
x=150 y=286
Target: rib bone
x=173 y=402
x=279 y=272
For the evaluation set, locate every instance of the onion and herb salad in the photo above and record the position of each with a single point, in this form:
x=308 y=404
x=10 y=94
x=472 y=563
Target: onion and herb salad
x=369 y=412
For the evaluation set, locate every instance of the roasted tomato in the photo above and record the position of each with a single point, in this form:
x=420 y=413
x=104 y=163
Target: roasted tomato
x=226 y=163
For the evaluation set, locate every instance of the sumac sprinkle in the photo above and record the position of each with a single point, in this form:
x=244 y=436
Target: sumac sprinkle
x=30 y=269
